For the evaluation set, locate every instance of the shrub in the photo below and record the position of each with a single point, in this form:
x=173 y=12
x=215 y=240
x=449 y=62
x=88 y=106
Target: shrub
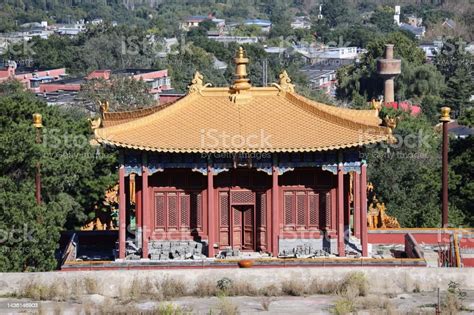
x=343 y=306
x=316 y=286
x=224 y=284
x=171 y=288
x=355 y=280
x=205 y=288
x=265 y=302
x=293 y=287
x=227 y=307
x=270 y=290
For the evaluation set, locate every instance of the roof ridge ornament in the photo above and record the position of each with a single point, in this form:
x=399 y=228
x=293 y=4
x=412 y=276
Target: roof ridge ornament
x=197 y=84
x=391 y=124
x=284 y=83
x=239 y=90
x=241 y=82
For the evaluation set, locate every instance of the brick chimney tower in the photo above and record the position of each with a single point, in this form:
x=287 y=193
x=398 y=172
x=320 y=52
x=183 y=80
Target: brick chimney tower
x=388 y=68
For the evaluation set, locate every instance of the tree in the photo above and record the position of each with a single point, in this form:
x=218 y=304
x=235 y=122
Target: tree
x=364 y=80
x=74 y=177
x=456 y=65
x=461 y=161
x=407 y=175
x=382 y=18
x=123 y=93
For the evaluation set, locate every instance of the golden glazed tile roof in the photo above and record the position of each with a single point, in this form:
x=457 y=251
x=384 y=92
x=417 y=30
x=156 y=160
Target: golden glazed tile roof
x=268 y=121
x=242 y=118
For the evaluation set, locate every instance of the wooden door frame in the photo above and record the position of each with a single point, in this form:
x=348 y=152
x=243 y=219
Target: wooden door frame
x=254 y=227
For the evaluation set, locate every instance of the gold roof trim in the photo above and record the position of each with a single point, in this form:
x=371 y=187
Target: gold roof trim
x=284 y=84
x=197 y=84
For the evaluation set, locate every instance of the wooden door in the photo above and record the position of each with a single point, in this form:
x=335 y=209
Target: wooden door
x=243 y=229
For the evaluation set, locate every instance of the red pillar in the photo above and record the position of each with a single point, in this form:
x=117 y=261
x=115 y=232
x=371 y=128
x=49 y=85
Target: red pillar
x=363 y=210
x=211 y=216
x=347 y=204
x=445 y=205
x=340 y=211
x=145 y=212
x=122 y=216
x=275 y=212
x=356 y=194
x=138 y=212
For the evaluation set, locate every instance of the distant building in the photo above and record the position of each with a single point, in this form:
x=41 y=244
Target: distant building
x=405 y=106
x=323 y=80
x=195 y=20
x=413 y=20
x=235 y=39
x=431 y=49
x=71 y=29
x=396 y=17
x=343 y=55
x=31 y=78
x=300 y=22
x=264 y=25
x=418 y=31
x=157 y=80
x=449 y=24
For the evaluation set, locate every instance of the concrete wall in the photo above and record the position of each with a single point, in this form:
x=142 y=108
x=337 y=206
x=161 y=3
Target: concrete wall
x=382 y=280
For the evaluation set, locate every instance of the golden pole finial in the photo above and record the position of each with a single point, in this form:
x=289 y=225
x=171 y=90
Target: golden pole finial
x=241 y=81
x=37 y=120
x=445 y=111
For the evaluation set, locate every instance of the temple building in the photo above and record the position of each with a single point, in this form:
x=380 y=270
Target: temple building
x=242 y=168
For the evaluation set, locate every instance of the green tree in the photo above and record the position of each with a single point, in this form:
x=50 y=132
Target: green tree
x=407 y=175
x=363 y=78
x=123 y=93
x=74 y=177
x=461 y=161
x=382 y=18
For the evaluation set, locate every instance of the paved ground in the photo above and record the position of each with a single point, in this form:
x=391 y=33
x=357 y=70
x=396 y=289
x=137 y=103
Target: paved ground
x=414 y=303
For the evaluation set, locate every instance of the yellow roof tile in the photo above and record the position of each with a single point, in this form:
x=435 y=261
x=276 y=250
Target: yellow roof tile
x=270 y=120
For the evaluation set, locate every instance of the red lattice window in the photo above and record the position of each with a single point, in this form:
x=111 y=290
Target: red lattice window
x=301 y=209
x=242 y=197
x=177 y=211
x=327 y=208
x=289 y=208
x=261 y=209
x=224 y=208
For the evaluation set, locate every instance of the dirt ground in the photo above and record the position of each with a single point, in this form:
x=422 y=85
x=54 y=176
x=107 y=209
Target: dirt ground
x=407 y=303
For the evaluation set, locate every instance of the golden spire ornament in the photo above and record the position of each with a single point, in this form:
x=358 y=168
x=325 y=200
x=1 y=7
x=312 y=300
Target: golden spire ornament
x=241 y=82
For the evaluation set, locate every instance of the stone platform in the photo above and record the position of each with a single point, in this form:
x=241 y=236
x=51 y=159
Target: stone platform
x=233 y=263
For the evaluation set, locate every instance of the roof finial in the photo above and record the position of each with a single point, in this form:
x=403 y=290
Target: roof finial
x=241 y=81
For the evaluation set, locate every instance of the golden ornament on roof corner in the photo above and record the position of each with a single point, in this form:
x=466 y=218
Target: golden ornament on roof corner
x=197 y=84
x=391 y=123
x=376 y=104
x=284 y=83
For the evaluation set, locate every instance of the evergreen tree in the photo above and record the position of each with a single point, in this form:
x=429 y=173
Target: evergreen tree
x=74 y=177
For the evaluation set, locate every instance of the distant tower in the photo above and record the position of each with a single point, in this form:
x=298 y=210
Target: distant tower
x=320 y=15
x=396 y=17
x=388 y=68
